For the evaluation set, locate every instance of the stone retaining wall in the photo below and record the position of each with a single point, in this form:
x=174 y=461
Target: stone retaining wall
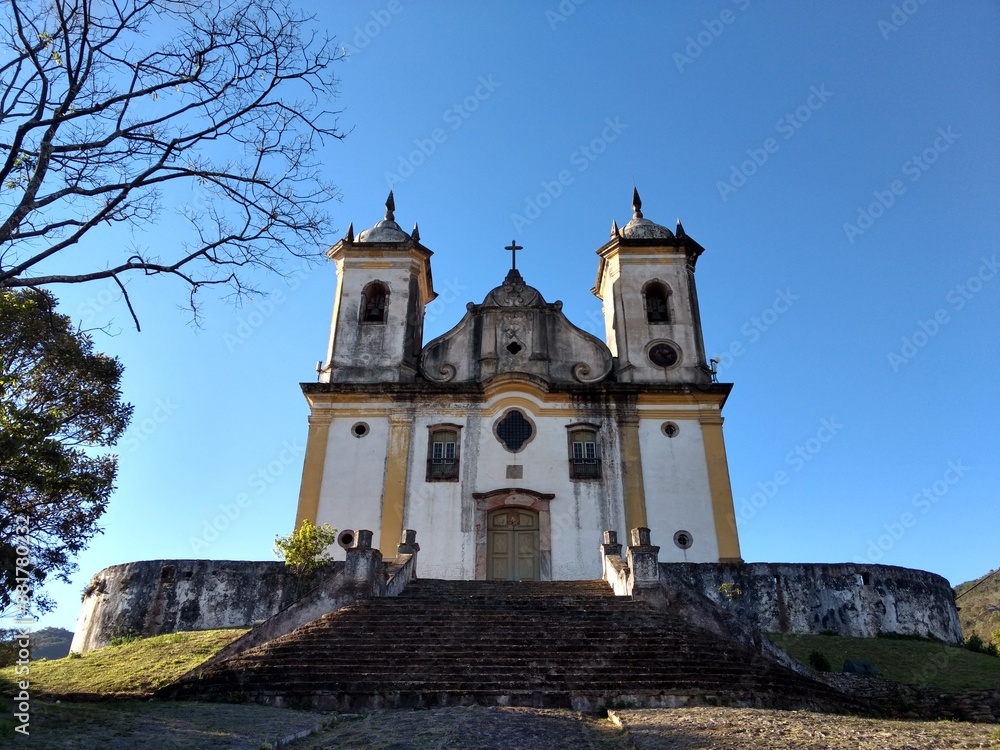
x=847 y=599
x=153 y=597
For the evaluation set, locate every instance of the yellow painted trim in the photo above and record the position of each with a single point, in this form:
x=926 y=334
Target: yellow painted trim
x=394 y=489
x=658 y=414
x=648 y=400
x=312 y=470
x=635 y=495
x=723 y=511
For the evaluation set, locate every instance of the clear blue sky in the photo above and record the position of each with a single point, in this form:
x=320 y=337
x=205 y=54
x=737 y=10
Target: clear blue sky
x=865 y=410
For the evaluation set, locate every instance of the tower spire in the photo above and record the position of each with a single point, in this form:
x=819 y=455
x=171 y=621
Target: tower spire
x=636 y=203
x=390 y=206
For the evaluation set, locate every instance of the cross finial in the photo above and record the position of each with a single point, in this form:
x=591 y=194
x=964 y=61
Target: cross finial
x=513 y=247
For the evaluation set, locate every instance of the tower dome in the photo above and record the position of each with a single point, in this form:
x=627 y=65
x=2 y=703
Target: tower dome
x=386 y=230
x=643 y=229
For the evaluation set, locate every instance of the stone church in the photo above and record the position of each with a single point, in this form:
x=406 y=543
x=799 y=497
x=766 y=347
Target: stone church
x=513 y=441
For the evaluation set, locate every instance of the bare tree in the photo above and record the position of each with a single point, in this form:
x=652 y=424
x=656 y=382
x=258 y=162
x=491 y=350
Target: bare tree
x=108 y=106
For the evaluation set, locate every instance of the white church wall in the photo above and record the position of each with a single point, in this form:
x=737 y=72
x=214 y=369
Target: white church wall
x=444 y=514
x=354 y=475
x=678 y=497
x=434 y=509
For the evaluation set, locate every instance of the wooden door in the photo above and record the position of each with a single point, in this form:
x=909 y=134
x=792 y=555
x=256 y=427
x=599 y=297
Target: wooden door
x=512 y=545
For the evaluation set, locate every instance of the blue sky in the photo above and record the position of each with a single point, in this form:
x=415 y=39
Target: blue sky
x=838 y=161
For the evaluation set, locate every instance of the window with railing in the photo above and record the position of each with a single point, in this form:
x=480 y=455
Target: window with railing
x=584 y=460
x=442 y=459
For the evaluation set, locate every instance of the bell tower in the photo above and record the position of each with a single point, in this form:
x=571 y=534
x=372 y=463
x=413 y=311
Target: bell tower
x=645 y=279
x=383 y=286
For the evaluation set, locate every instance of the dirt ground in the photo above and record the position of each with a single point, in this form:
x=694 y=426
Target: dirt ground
x=203 y=726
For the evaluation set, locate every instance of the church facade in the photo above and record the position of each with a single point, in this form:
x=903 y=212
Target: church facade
x=511 y=442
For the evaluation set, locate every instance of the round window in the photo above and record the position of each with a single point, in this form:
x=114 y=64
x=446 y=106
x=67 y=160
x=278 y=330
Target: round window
x=670 y=429
x=514 y=430
x=663 y=354
x=360 y=429
x=683 y=539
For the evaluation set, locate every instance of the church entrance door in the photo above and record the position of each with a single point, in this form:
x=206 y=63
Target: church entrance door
x=512 y=545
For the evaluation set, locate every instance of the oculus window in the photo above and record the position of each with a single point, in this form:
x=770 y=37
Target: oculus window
x=514 y=430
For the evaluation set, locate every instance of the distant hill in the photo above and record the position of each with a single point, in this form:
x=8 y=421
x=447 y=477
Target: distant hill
x=47 y=643
x=978 y=604
x=50 y=643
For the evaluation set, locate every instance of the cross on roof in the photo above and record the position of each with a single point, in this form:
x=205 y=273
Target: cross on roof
x=513 y=247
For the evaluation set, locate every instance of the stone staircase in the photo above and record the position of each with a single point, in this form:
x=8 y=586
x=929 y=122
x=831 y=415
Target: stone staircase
x=543 y=644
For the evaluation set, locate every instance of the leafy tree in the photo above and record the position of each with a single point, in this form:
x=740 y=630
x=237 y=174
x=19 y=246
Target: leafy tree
x=59 y=401
x=305 y=548
x=110 y=109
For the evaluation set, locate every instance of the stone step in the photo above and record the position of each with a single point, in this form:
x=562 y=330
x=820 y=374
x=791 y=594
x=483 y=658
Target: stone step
x=530 y=643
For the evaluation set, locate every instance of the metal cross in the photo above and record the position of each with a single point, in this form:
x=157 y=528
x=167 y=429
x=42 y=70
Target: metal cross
x=513 y=247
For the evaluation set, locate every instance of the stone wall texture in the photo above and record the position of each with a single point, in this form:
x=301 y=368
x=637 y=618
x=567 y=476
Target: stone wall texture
x=847 y=599
x=153 y=597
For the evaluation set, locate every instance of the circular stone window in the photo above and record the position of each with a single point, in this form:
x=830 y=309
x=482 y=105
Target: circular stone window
x=683 y=539
x=360 y=429
x=514 y=430
x=670 y=429
x=663 y=354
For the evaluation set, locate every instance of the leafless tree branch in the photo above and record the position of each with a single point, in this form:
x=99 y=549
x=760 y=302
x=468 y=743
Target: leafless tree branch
x=112 y=109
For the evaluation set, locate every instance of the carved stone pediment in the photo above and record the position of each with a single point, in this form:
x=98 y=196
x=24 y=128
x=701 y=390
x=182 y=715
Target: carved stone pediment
x=516 y=330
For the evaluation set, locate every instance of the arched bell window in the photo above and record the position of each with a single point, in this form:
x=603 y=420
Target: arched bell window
x=374 y=302
x=656 y=299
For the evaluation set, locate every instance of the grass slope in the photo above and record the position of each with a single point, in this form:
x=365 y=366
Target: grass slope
x=135 y=669
x=906 y=660
x=975 y=600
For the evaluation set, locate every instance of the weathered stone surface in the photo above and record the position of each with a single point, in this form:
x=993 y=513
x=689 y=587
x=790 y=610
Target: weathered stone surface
x=152 y=597
x=566 y=643
x=516 y=330
x=847 y=599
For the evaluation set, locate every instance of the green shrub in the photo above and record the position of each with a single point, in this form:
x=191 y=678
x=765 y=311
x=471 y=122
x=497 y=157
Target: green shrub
x=819 y=662
x=305 y=548
x=974 y=643
x=121 y=639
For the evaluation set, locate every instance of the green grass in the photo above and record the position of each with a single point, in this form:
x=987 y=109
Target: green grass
x=137 y=668
x=912 y=661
